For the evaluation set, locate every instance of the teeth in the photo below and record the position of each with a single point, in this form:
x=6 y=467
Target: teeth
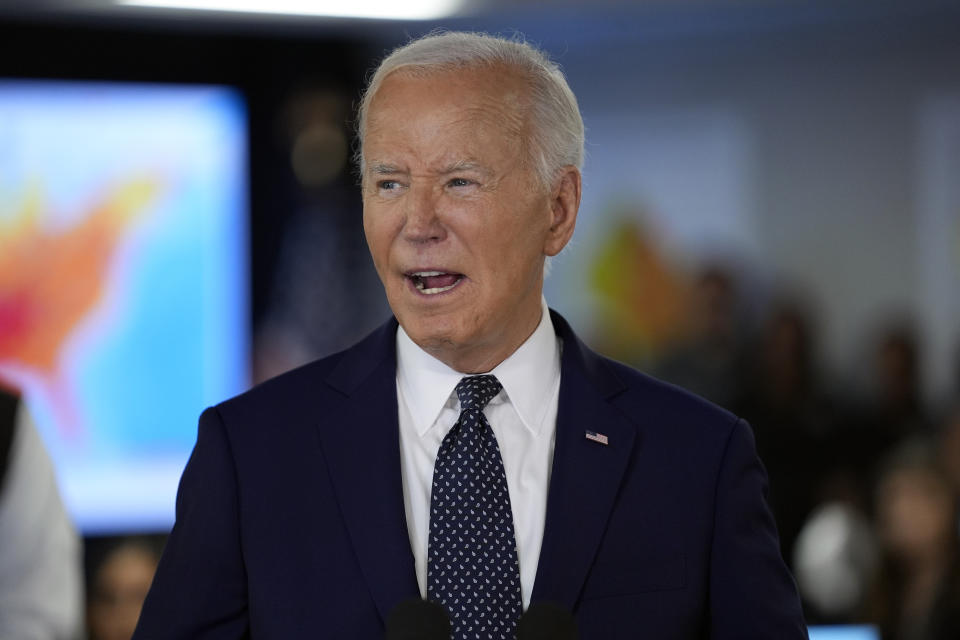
x=435 y=289
x=418 y=276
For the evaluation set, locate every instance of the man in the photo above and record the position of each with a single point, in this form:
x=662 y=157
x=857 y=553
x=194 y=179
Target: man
x=315 y=503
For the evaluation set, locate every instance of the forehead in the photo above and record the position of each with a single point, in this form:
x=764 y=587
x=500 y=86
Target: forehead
x=450 y=108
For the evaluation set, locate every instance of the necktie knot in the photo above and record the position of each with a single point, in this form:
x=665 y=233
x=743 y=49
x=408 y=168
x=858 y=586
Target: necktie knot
x=476 y=391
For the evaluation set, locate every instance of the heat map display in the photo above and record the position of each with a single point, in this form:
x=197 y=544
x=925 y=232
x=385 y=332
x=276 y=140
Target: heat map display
x=123 y=281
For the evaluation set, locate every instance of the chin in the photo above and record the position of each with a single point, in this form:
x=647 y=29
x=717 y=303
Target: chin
x=429 y=333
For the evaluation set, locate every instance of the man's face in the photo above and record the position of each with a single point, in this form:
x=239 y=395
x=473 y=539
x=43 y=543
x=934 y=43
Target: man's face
x=456 y=222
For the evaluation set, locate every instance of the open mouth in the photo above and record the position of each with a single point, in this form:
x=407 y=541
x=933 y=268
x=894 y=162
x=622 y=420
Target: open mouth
x=434 y=282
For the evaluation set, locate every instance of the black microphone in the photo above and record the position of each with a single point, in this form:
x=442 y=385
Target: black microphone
x=547 y=621
x=418 y=620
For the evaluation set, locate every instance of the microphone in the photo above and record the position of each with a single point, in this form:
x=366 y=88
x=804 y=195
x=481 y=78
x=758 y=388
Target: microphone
x=547 y=621
x=418 y=620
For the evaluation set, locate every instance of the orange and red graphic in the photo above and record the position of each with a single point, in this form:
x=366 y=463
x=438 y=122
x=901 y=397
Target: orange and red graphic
x=51 y=279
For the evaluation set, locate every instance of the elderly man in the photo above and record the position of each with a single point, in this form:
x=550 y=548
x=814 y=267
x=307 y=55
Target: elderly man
x=472 y=451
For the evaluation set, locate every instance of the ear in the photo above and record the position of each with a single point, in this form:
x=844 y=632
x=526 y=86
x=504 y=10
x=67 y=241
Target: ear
x=564 y=204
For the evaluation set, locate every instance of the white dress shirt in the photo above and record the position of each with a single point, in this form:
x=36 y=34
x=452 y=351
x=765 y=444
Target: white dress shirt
x=523 y=417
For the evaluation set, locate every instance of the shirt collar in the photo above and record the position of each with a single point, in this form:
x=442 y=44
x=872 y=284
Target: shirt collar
x=529 y=377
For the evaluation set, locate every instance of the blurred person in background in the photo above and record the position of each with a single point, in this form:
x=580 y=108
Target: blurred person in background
x=793 y=421
x=710 y=361
x=949 y=450
x=916 y=595
x=895 y=409
x=890 y=413
x=118 y=579
x=40 y=561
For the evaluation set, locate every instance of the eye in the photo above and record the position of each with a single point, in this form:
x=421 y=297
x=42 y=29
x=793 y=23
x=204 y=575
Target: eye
x=388 y=185
x=460 y=182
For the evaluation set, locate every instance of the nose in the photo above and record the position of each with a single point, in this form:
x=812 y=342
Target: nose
x=422 y=221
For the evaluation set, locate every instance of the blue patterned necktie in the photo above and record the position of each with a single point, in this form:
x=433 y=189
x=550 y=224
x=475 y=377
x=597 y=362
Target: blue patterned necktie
x=472 y=566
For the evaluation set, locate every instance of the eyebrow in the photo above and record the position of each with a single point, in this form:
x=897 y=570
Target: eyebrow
x=384 y=169
x=465 y=165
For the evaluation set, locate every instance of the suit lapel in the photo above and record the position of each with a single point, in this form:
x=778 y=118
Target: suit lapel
x=586 y=474
x=362 y=451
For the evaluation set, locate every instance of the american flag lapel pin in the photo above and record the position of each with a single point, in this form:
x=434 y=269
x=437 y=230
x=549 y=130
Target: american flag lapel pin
x=597 y=437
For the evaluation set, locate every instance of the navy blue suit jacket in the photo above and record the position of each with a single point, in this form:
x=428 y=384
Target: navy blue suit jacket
x=290 y=517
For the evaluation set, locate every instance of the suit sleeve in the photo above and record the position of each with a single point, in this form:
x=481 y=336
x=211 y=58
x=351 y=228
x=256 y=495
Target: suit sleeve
x=752 y=594
x=200 y=588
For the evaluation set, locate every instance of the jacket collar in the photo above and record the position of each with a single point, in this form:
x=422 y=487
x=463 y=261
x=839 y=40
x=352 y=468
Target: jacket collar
x=586 y=473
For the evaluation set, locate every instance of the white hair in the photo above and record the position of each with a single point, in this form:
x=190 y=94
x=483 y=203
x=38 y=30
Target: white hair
x=557 y=137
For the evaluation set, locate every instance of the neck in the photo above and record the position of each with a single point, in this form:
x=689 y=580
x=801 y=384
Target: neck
x=484 y=358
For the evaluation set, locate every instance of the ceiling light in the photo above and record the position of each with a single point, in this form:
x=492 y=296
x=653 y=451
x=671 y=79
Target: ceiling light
x=382 y=9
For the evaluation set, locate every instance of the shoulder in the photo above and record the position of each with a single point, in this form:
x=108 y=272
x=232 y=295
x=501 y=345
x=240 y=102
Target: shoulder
x=675 y=419
x=294 y=386
x=649 y=403
x=300 y=392
x=663 y=398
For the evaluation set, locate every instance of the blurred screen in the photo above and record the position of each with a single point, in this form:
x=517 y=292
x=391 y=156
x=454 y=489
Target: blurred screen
x=123 y=281
x=844 y=633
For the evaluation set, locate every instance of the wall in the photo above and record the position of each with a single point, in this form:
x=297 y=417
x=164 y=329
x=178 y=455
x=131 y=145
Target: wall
x=813 y=153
